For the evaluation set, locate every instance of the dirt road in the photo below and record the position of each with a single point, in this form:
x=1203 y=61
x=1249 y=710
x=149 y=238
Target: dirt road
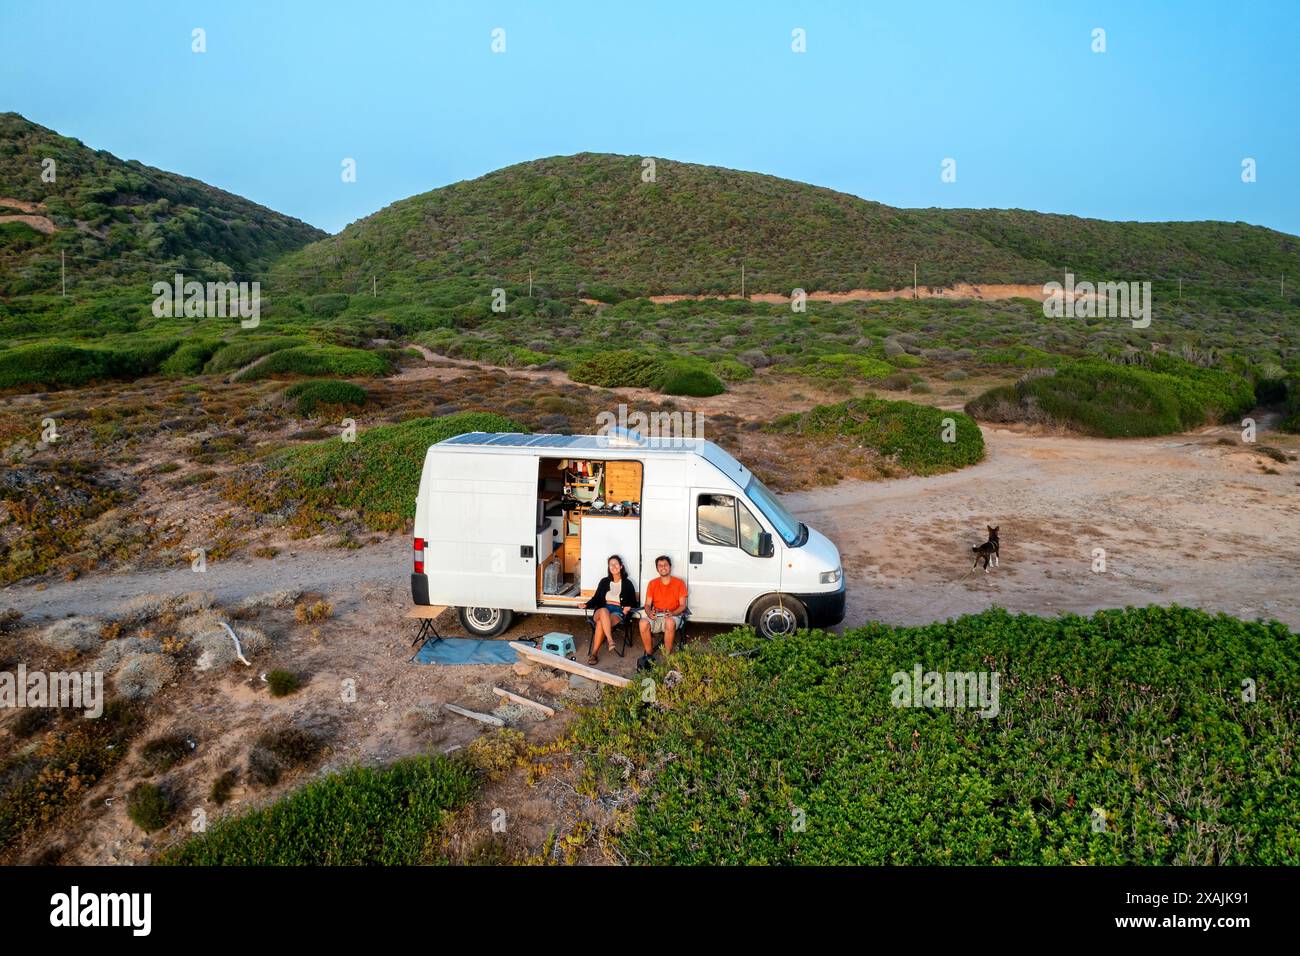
x=1181 y=519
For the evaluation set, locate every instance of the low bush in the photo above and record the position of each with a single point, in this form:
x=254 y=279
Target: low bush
x=317 y=360
x=1121 y=738
x=913 y=435
x=360 y=817
x=189 y=358
x=377 y=475
x=730 y=370
x=37 y=786
x=241 y=351
x=282 y=683
x=841 y=365
x=64 y=365
x=1160 y=396
x=162 y=753
x=617 y=369
x=679 y=377
x=278 y=751
x=148 y=806
x=310 y=395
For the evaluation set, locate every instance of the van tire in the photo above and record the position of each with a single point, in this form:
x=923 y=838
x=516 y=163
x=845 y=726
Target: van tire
x=778 y=615
x=486 y=621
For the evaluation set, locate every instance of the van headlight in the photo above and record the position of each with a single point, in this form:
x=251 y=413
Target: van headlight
x=830 y=577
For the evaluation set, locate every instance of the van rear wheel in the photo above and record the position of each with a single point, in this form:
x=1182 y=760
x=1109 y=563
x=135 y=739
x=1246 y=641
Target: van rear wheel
x=778 y=615
x=486 y=621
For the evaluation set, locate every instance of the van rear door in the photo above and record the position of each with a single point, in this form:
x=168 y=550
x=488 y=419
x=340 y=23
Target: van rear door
x=480 y=530
x=726 y=570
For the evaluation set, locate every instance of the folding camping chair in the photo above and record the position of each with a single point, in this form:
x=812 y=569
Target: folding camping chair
x=628 y=629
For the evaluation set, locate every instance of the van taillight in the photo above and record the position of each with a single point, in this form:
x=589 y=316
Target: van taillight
x=419 y=555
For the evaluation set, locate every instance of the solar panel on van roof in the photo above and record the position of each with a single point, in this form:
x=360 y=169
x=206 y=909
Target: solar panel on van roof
x=586 y=442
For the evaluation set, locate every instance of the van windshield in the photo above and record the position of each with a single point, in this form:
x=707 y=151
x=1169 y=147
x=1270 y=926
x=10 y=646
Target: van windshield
x=792 y=532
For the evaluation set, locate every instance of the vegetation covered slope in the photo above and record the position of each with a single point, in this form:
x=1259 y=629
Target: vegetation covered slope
x=1123 y=738
x=590 y=220
x=119 y=219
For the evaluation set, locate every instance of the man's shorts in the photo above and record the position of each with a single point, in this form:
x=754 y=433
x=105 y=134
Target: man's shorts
x=657 y=623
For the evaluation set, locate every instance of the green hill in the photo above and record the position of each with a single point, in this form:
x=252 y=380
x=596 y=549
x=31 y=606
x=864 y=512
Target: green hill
x=590 y=223
x=117 y=220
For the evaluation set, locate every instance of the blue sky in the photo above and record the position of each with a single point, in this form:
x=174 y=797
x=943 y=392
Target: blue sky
x=1154 y=128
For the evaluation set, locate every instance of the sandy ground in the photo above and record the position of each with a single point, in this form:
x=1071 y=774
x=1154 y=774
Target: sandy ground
x=1181 y=519
x=962 y=290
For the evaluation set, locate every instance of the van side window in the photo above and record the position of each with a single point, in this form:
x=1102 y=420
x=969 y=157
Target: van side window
x=715 y=520
x=750 y=530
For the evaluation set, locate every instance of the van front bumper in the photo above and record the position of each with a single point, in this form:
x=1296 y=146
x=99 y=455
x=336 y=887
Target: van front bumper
x=420 y=588
x=825 y=609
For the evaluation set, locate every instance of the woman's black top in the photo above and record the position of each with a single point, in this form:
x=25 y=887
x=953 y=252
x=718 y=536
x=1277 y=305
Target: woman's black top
x=626 y=595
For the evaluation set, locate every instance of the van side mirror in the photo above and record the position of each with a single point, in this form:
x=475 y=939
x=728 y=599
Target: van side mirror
x=765 y=546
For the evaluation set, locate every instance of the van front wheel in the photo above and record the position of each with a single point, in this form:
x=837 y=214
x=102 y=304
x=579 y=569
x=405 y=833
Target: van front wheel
x=778 y=615
x=486 y=621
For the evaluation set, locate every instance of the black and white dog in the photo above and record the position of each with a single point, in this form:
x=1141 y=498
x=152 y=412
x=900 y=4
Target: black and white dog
x=988 y=550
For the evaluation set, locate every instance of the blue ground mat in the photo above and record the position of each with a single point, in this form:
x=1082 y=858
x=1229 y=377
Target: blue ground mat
x=458 y=650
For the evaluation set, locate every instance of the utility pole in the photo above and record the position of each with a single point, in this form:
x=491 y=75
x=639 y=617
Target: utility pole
x=63 y=272
x=914 y=295
x=530 y=283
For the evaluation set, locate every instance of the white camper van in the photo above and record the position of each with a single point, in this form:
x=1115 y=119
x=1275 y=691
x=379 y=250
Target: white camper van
x=509 y=524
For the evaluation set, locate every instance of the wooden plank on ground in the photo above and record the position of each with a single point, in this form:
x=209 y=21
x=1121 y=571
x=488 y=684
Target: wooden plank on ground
x=475 y=715
x=425 y=611
x=524 y=701
x=532 y=654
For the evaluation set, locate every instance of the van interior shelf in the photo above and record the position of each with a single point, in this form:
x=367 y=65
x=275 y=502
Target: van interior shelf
x=584 y=505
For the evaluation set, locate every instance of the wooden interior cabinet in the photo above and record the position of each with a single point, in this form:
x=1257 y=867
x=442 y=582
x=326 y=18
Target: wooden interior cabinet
x=623 y=481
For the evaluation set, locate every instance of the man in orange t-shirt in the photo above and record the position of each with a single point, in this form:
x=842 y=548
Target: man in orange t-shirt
x=665 y=603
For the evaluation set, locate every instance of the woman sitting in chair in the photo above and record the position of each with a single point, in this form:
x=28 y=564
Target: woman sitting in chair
x=614 y=598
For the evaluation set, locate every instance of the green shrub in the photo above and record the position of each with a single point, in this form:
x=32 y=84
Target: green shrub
x=325 y=306
x=317 y=392
x=679 y=377
x=1020 y=356
x=378 y=475
x=1138 y=713
x=241 y=352
x=189 y=358
x=838 y=365
x=618 y=369
x=317 y=360
x=282 y=683
x=730 y=370
x=904 y=360
x=148 y=807
x=62 y=365
x=911 y=434
x=360 y=817
x=1159 y=396
x=224 y=786
x=1291 y=406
